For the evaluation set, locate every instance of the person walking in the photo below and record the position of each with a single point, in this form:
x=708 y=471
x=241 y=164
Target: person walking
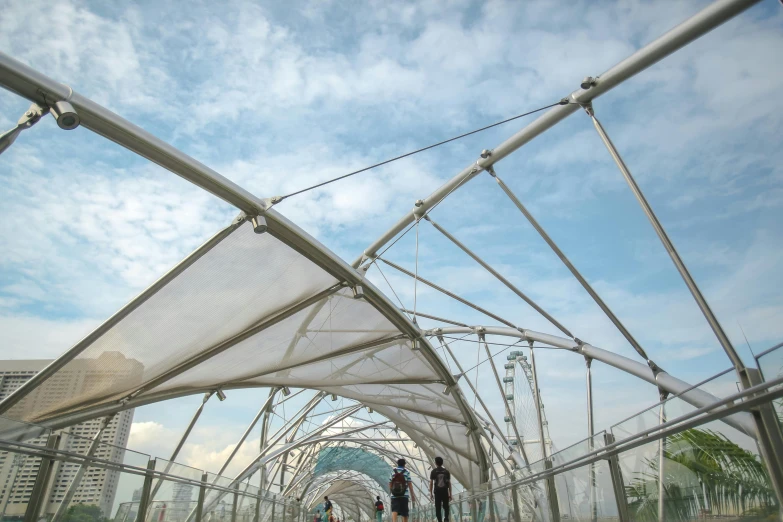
x=378 y=509
x=328 y=509
x=317 y=517
x=440 y=485
x=400 y=484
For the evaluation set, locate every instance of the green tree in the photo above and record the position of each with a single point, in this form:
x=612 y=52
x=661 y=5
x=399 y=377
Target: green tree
x=703 y=472
x=84 y=513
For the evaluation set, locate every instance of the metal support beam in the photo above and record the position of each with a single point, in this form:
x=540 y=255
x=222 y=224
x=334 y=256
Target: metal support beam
x=499 y=277
x=551 y=493
x=250 y=427
x=181 y=442
x=591 y=441
x=537 y=397
x=146 y=490
x=76 y=481
x=693 y=396
x=447 y=293
x=770 y=440
x=723 y=339
x=551 y=490
x=235 y=503
x=433 y=317
x=701 y=23
x=477 y=395
x=662 y=462
x=509 y=411
x=202 y=493
x=38 y=497
x=582 y=281
x=618 y=487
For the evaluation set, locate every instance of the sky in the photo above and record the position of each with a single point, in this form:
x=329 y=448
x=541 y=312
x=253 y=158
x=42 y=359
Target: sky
x=279 y=96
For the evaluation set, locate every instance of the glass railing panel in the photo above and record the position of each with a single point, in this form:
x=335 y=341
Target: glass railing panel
x=770 y=365
x=19 y=469
x=174 y=496
x=711 y=470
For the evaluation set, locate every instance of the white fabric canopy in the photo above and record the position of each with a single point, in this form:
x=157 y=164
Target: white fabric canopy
x=252 y=311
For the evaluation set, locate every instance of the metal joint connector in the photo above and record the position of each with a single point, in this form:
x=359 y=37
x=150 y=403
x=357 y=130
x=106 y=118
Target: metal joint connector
x=588 y=107
x=491 y=171
x=654 y=367
x=486 y=153
x=358 y=291
x=259 y=224
x=588 y=82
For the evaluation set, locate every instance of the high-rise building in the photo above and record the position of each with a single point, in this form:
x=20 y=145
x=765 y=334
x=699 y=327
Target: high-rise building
x=98 y=486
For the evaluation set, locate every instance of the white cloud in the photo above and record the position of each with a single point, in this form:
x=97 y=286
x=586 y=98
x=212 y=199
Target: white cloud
x=277 y=105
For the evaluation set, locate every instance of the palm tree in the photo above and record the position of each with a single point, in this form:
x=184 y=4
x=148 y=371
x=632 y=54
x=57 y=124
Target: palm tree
x=704 y=473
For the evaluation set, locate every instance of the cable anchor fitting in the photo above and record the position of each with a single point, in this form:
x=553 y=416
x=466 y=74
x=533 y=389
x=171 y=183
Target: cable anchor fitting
x=588 y=107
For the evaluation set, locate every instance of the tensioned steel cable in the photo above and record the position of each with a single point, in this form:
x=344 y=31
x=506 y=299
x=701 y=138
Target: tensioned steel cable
x=278 y=199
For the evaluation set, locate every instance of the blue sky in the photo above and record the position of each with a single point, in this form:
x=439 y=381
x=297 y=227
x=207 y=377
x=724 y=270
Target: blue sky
x=279 y=96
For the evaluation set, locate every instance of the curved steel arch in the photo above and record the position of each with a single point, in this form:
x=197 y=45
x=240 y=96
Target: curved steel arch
x=39 y=88
x=693 y=396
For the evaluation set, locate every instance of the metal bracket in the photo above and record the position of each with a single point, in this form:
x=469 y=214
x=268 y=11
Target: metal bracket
x=588 y=82
x=588 y=107
x=30 y=117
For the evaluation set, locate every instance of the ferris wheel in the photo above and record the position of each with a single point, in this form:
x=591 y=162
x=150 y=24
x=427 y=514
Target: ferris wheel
x=521 y=397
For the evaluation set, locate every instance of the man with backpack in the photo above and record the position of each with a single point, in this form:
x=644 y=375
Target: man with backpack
x=378 y=509
x=400 y=484
x=440 y=483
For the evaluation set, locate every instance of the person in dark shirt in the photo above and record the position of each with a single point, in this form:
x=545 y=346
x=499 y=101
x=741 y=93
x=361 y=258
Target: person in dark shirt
x=328 y=509
x=378 y=509
x=440 y=485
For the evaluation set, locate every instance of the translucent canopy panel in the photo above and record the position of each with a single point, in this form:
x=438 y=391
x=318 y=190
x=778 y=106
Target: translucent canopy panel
x=341 y=458
x=251 y=310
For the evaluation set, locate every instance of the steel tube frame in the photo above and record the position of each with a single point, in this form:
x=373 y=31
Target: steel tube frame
x=447 y=293
x=701 y=23
x=663 y=380
x=661 y=461
x=182 y=440
x=480 y=400
x=202 y=490
x=74 y=485
x=702 y=303
x=588 y=288
x=433 y=317
x=618 y=487
x=35 y=86
x=591 y=434
x=38 y=496
x=499 y=277
x=146 y=499
x=265 y=458
x=762 y=393
x=509 y=412
x=743 y=400
x=554 y=506
x=250 y=427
